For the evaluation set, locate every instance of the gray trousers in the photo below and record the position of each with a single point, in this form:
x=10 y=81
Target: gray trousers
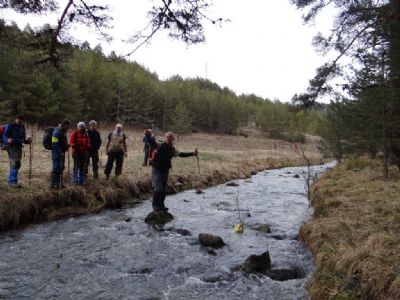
x=159 y=181
x=15 y=155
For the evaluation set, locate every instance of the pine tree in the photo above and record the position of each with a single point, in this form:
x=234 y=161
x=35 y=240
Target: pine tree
x=181 y=120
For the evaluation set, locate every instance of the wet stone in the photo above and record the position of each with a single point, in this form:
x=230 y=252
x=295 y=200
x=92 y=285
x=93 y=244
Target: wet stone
x=264 y=228
x=296 y=176
x=279 y=237
x=183 y=232
x=209 y=240
x=283 y=274
x=120 y=217
x=193 y=242
x=199 y=191
x=232 y=184
x=257 y=263
x=158 y=217
x=211 y=251
x=216 y=277
x=140 y=271
x=224 y=203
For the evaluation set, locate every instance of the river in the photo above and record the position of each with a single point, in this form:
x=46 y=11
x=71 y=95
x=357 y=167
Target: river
x=115 y=255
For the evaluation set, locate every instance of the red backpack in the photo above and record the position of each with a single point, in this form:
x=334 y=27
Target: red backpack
x=2 y=129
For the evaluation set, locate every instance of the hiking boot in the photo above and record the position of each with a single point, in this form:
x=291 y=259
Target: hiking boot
x=165 y=209
x=160 y=208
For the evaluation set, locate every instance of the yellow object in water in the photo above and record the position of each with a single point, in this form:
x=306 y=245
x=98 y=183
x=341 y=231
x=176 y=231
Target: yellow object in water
x=238 y=228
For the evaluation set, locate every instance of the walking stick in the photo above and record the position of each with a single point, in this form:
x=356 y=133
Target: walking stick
x=30 y=158
x=68 y=165
x=199 y=190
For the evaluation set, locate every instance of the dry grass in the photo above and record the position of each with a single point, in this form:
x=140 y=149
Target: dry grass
x=355 y=233
x=222 y=158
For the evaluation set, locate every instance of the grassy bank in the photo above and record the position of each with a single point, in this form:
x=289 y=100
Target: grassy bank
x=355 y=233
x=222 y=158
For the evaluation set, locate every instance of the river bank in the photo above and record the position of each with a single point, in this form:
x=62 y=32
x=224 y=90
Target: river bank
x=222 y=158
x=354 y=233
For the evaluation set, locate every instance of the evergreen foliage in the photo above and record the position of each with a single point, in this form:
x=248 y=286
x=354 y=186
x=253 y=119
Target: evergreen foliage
x=92 y=85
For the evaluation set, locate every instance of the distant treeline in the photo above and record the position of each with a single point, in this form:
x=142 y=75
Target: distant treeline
x=90 y=85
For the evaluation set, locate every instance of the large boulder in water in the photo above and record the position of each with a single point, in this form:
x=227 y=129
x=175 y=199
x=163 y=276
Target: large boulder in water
x=283 y=274
x=257 y=263
x=158 y=217
x=209 y=240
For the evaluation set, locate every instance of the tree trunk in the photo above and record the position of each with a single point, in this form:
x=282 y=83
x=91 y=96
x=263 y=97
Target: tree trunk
x=394 y=40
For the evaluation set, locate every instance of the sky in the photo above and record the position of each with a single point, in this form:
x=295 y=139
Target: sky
x=264 y=50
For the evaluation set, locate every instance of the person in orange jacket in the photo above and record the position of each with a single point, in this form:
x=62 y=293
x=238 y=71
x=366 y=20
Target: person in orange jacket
x=80 y=142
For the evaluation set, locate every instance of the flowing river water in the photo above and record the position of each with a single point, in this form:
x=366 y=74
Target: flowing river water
x=115 y=255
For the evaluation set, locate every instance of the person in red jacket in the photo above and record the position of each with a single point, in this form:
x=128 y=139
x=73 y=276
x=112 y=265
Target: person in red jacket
x=80 y=143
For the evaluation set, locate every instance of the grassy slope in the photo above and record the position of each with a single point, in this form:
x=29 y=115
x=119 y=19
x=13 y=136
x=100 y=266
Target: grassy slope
x=222 y=158
x=355 y=233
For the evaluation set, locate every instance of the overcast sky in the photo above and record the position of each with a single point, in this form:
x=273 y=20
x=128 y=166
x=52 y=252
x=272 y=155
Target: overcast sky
x=265 y=49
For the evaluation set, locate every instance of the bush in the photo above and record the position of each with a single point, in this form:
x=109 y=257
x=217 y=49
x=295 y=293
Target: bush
x=293 y=137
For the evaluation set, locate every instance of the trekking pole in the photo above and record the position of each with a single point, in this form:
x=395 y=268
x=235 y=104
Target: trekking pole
x=238 y=228
x=69 y=166
x=30 y=158
x=199 y=190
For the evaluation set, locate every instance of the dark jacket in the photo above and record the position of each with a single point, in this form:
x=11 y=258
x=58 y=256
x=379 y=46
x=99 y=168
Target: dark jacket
x=59 y=143
x=15 y=132
x=165 y=153
x=95 y=139
x=148 y=140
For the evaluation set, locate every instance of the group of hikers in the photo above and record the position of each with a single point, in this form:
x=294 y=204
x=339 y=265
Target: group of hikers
x=85 y=144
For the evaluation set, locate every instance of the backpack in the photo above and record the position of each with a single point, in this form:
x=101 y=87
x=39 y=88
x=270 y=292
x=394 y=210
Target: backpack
x=2 y=129
x=153 y=155
x=47 y=138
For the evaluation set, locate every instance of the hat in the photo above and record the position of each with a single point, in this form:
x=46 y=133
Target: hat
x=118 y=126
x=92 y=122
x=81 y=125
x=66 y=122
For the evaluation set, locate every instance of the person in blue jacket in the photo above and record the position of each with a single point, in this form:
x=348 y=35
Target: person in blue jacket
x=14 y=137
x=59 y=145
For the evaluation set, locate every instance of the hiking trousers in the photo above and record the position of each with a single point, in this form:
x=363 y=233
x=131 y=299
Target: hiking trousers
x=159 y=180
x=15 y=155
x=146 y=156
x=94 y=155
x=58 y=165
x=118 y=157
x=79 y=175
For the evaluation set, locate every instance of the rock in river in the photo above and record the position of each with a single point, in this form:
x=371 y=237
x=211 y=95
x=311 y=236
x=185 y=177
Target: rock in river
x=158 y=217
x=264 y=228
x=232 y=183
x=209 y=240
x=257 y=263
x=283 y=274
